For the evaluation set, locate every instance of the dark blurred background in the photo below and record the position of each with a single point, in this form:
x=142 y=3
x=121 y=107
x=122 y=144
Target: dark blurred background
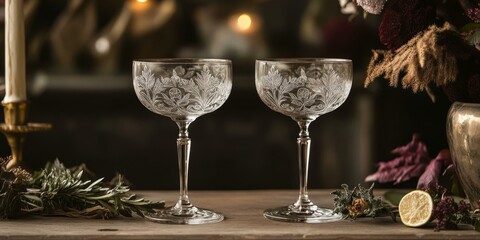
x=79 y=56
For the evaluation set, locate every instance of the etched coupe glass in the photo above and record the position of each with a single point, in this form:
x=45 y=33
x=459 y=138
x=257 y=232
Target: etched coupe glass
x=303 y=89
x=183 y=90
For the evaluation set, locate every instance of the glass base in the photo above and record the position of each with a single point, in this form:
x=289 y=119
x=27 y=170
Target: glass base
x=287 y=214
x=194 y=215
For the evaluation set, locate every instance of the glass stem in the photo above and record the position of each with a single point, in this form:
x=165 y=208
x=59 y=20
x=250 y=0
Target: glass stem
x=303 y=204
x=183 y=151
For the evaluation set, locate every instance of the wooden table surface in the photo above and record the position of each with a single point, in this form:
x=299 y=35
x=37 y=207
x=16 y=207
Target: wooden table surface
x=244 y=220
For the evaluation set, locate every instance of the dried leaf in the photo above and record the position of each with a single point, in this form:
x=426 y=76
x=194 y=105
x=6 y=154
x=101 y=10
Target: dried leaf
x=411 y=163
x=434 y=170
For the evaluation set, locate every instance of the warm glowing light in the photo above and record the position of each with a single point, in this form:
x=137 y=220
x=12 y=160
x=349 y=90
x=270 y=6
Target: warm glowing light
x=140 y=5
x=244 y=22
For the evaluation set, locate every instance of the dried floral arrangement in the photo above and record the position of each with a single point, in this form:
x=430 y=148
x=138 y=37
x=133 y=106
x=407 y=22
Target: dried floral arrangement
x=428 y=42
x=447 y=213
x=59 y=191
x=413 y=162
x=360 y=202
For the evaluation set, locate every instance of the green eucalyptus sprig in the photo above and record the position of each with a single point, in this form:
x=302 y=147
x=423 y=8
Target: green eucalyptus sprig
x=55 y=190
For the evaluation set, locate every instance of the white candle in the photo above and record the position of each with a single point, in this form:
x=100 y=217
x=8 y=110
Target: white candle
x=15 y=82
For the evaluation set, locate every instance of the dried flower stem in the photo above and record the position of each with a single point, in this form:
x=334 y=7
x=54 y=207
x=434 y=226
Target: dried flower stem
x=421 y=61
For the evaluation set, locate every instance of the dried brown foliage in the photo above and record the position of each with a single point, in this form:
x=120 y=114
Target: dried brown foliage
x=419 y=62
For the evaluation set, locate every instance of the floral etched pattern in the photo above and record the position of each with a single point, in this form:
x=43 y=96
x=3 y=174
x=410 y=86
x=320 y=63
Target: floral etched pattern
x=307 y=91
x=184 y=91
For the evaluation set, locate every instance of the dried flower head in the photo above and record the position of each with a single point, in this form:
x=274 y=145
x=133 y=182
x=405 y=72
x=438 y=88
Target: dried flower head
x=403 y=19
x=474 y=14
x=469 y=5
x=421 y=61
x=357 y=207
x=372 y=6
x=359 y=202
x=444 y=214
x=448 y=213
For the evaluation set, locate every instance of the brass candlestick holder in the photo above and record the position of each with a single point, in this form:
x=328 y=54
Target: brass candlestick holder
x=16 y=128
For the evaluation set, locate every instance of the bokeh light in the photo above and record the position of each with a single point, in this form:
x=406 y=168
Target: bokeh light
x=244 y=22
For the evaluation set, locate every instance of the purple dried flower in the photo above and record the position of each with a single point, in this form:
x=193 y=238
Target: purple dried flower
x=403 y=19
x=472 y=8
x=411 y=163
x=464 y=208
x=444 y=214
x=448 y=214
x=436 y=191
x=474 y=14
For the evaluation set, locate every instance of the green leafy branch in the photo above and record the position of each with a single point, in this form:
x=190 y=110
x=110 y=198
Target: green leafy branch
x=55 y=190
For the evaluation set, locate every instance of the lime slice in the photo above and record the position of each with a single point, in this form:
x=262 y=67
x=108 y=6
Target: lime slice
x=416 y=208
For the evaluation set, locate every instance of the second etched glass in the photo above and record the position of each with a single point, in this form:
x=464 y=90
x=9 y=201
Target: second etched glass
x=303 y=89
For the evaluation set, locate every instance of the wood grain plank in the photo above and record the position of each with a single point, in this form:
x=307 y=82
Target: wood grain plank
x=244 y=220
